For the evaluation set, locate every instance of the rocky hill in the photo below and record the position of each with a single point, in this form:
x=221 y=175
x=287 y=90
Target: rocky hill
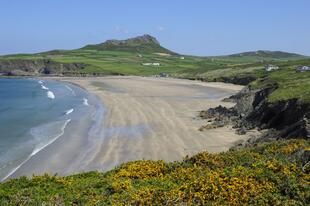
x=140 y=44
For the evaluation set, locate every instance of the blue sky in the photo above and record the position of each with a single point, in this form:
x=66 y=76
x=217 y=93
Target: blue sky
x=199 y=27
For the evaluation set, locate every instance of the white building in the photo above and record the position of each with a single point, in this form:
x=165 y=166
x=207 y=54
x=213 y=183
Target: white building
x=303 y=69
x=182 y=57
x=270 y=67
x=151 y=64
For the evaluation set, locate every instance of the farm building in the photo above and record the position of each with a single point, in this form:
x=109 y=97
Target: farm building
x=303 y=69
x=151 y=64
x=270 y=67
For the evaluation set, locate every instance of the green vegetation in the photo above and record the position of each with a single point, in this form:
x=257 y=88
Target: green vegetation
x=269 y=173
x=126 y=57
x=291 y=84
x=141 y=44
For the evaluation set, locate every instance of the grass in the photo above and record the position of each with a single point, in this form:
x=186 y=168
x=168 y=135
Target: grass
x=101 y=62
x=129 y=63
x=266 y=174
x=291 y=84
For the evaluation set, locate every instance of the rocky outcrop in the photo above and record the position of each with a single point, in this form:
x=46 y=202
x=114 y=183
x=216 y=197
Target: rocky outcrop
x=37 y=67
x=140 y=44
x=282 y=119
x=144 y=39
x=241 y=80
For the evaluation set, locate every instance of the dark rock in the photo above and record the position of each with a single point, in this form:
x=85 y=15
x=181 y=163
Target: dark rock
x=217 y=112
x=283 y=119
x=241 y=131
x=243 y=80
x=37 y=67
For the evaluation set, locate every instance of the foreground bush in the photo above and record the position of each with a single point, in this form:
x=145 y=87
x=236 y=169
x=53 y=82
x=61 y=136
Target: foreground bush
x=265 y=174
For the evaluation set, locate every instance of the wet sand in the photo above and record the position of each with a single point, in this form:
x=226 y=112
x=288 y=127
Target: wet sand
x=144 y=118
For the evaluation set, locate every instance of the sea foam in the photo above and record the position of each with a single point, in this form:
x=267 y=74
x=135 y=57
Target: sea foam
x=44 y=87
x=39 y=148
x=42 y=146
x=85 y=101
x=40 y=82
x=69 y=111
x=71 y=90
x=50 y=95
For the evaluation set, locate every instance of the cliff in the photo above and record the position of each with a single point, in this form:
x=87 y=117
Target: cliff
x=283 y=119
x=37 y=67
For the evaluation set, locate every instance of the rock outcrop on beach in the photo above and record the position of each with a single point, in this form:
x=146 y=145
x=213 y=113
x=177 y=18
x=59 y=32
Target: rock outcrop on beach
x=282 y=119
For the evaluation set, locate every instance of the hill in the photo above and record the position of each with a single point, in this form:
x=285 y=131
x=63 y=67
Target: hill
x=135 y=56
x=266 y=174
x=141 y=44
x=267 y=54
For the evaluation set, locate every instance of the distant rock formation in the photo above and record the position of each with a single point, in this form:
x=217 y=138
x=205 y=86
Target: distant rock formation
x=141 y=44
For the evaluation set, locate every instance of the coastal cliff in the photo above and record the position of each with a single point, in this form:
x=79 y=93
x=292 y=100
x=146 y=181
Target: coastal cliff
x=282 y=119
x=37 y=67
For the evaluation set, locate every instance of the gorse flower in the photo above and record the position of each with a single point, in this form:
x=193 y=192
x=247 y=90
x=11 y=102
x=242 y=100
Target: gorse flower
x=265 y=174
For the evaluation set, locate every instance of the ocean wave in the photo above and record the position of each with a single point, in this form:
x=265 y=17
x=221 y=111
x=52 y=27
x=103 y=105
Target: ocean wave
x=70 y=89
x=38 y=148
x=44 y=87
x=42 y=146
x=85 y=101
x=40 y=82
x=16 y=168
x=69 y=111
x=50 y=95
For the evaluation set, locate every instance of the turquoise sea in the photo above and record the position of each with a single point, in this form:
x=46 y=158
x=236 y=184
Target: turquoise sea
x=33 y=114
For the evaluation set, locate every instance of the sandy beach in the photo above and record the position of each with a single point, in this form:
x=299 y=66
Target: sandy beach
x=143 y=118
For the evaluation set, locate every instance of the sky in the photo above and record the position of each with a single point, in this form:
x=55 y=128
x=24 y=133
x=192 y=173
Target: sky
x=196 y=27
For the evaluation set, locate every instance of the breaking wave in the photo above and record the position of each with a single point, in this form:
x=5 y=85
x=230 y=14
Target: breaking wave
x=50 y=95
x=69 y=111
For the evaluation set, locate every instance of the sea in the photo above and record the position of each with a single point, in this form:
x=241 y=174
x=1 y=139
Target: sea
x=34 y=113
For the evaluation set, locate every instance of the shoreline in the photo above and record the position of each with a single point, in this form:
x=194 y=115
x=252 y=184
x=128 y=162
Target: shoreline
x=82 y=120
x=151 y=118
x=106 y=94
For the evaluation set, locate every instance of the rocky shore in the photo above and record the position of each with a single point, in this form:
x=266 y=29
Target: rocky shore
x=280 y=120
x=29 y=67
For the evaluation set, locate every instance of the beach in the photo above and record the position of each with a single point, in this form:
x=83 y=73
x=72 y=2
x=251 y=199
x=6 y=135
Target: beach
x=141 y=118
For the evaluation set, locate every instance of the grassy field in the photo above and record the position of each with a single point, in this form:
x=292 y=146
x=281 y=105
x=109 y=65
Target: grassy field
x=127 y=60
x=130 y=63
x=267 y=174
x=291 y=84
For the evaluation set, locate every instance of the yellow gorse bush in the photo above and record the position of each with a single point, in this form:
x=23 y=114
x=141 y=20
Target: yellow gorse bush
x=142 y=169
x=265 y=174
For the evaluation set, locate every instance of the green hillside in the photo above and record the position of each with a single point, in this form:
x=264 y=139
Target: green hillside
x=267 y=174
x=268 y=54
x=133 y=56
x=140 y=44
